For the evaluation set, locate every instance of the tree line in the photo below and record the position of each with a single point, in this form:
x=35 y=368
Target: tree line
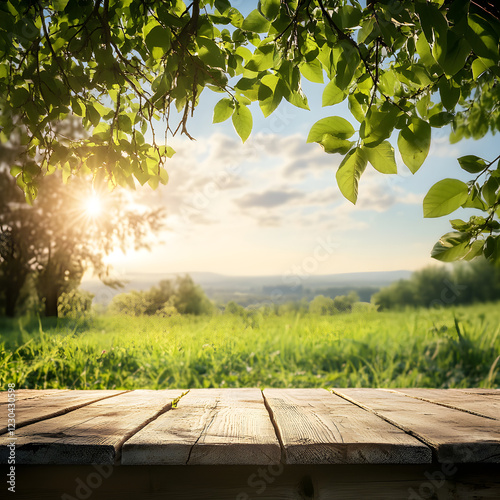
x=477 y=281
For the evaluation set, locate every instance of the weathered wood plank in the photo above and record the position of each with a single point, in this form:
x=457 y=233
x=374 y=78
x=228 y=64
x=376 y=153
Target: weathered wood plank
x=454 y=435
x=22 y=394
x=208 y=426
x=477 y=404
x=31 y=410
x=92 y=434
x=317 y=427
x=482 y=392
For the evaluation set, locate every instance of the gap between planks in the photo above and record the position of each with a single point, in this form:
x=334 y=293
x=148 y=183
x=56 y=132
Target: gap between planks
x=276 y=428
x=129 y=435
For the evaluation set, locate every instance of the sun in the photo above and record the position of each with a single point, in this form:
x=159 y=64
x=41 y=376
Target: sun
x=93 y=206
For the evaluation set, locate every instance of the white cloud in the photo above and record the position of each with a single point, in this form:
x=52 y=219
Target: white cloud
x=273 y=180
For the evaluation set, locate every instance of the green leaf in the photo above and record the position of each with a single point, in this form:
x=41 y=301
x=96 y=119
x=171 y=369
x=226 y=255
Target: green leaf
x=452 y=246
x=478 y=68
x=378 y=126
x=19 y=96
x=313 y=71
x=452 y=57
x=141 y=176
x=482 y=37
x=358 y=105
x=414 y=142
x=382 y=157
x=347 y=65
x=242 y=121
x=256 y=22
x=277 y=88
x=210 y=53
x=298 y=99
x=92 y=114
x=489 y=190
x=167 y=151
x=270 y=8
x=440 y=119
x=475 y=249
x=15 y=170
x=332 y=94
x=492 y=250
x=472 y=164
x=333 y=144
x=60 y=5
x=160 y=38
x=445 y=197
x=474 y=200
x=349 y=173
x=449 y=93
x=334 y=125
x=262 y=59
x=460 y=225
x=223 y=110
x=433 y=23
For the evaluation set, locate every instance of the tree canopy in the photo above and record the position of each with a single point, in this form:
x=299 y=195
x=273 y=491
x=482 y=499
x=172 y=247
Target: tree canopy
x=56 y=240
x=404 y=68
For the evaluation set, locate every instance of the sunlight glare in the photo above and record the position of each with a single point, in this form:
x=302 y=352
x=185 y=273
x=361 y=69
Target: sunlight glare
x=93 y=206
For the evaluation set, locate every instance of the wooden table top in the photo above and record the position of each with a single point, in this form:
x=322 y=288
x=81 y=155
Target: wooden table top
x=253 y=427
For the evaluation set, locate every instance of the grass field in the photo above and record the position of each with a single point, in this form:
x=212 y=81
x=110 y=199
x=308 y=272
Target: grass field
x=457 y=347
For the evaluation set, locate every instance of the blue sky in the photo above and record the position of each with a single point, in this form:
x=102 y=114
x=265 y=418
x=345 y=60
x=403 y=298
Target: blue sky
x=266 y=206
x=271 y=206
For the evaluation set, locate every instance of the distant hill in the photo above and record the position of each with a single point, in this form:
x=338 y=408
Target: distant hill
x=247 y=289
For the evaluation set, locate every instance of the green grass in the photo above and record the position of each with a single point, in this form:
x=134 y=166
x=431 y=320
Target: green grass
x=441 y=348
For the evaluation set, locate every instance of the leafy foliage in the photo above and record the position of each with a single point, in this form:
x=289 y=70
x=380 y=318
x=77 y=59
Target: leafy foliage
x=169 y=298
x=403 y=67
x=322 y=305
x=438 y=287
x=56 y=242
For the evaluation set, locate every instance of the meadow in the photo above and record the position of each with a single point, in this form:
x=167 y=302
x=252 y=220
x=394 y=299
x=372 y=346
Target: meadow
x=455 y=347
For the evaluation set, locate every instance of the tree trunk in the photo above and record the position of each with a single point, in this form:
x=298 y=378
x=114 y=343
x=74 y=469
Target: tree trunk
x=14 y=283
x=10 y=302
x=51 y=299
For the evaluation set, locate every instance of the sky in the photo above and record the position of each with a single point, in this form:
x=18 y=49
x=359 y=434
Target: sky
x=271 y=206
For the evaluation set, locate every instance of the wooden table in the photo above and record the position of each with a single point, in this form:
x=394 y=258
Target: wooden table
x=247 y=443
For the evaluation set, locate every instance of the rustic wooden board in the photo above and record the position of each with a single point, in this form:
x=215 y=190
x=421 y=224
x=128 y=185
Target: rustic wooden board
x=317 y=427
x=33 y=409
x=477 y=404
x=22 y=394
x=483 y=392
x=454 y=435
x=209 y=426
x=92 y=434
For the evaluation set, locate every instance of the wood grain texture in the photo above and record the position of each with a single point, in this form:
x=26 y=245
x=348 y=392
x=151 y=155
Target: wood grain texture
x=483 y=392
x=92 y=434
x=22 y=394
x=34 y=409
x=454 y=435
x=209 y=426
x=477 y=404
x=317 y=427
